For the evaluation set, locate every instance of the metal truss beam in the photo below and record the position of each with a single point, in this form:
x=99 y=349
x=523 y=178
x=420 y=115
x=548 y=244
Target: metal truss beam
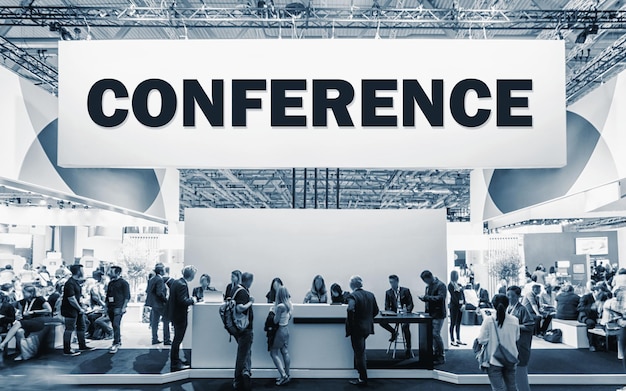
x=28 y=66
x=595 y=70
x=311 y=17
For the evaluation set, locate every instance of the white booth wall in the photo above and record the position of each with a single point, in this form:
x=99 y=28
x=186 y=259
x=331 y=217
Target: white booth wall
x=297 y=244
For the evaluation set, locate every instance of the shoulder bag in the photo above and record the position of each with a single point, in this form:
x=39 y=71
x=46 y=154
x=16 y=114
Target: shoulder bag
x=502 y=354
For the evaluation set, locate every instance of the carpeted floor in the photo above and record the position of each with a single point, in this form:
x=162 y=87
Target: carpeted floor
x=156 y=361
x=304 y=385
x=544 y=361
x=35 y=374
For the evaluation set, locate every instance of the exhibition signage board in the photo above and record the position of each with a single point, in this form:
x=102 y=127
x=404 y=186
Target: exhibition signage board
x=312 y=103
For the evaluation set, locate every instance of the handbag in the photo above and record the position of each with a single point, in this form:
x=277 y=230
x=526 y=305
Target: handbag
x=502 y=354
x=481 y=354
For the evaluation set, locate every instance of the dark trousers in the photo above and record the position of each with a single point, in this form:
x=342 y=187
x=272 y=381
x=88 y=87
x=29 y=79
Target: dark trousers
x=72 y=324
x=406 y=331
x=455 y=322
x=621 y=340
x=542 y=327
x=243 y=362
x=360 y=360
x=591 y=324
x=180 y=327
x=115 y=315
x=156 y=315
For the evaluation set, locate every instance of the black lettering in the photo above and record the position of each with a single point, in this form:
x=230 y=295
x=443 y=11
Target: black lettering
x=168 y=102
x=213 y=109
x=94 y=102
x=457 y=103
x=241 y=103
x=338 y=105
x=412 y=92
x=370 y=102
x=280 y=102
x=506 y=102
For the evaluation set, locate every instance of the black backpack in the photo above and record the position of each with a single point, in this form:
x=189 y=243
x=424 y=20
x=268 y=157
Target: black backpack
x=228 y=313
x=554 y=336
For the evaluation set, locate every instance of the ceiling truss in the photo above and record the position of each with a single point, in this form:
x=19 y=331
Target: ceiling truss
x=327 y=188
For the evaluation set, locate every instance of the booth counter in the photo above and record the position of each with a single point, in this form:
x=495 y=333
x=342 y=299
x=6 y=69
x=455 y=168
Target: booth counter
x=317 y=338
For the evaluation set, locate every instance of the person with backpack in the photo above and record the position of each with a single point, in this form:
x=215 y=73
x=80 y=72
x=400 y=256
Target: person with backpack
x=176 y=310
x=243 y=308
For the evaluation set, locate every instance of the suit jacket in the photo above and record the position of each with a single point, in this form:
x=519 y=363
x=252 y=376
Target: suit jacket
x=178 y=302
x=405 y=300
x=156 y=292
x=362 y=309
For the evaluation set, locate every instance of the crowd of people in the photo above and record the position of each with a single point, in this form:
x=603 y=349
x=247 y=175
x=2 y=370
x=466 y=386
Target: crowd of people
x=93 y=307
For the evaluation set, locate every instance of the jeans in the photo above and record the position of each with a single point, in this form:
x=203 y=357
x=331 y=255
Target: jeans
x=156 y=314
x=502 y=379
x=72 y=324
x=180 y=327
x=521 y=378
x=243 y=363
x=438 y=348
x=115 y=314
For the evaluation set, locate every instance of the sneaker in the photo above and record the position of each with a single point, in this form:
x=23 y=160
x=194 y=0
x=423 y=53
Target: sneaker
x=156 y=342
x=87 y=348
x=71 y=353
x=460 y=343
x=114 y=349
x=167 y=343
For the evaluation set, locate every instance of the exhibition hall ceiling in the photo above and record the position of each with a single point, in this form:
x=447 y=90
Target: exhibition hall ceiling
x=594 y=33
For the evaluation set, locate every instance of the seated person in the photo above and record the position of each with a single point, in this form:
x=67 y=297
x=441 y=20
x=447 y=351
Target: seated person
x=532 y=302
x=7 y=310
x=338 y=295
x=398 y=299
x=205 y=286
x=35 y=313
x=483 y=297
x=317 y=294
x=567 y=303
x=100 y=326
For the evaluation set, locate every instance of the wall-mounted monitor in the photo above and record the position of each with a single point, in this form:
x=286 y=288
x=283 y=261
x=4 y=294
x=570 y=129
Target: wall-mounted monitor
x=592 y=245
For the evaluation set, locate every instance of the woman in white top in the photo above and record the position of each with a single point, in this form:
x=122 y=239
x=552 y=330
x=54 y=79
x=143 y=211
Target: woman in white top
x=279 y=350
x=500 y=328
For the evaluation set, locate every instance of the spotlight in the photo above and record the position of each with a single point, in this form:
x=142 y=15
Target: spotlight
x=582 y=37
x=49 y=206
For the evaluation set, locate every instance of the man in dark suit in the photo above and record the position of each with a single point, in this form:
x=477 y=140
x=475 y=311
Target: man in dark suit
x=176 y=310
x=156 y=298
x=362 y=309
x=435 y=303
x=398 y=299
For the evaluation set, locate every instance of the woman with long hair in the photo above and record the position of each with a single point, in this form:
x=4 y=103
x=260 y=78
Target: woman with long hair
x=500 y=329
x=235 y=280
x=271 y=295
x=279 y=350
x=457 y=302
x=317 y=294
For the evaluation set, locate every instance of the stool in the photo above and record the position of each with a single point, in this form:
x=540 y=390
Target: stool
x=399 y=339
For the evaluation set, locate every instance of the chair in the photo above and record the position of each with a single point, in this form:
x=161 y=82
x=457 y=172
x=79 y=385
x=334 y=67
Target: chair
x=399 y=340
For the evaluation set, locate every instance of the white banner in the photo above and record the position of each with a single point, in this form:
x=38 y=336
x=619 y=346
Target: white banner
x=312 y=103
